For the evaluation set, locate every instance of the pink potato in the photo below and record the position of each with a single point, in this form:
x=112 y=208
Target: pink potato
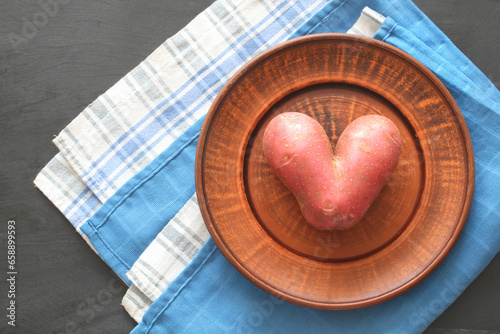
x=334 y=189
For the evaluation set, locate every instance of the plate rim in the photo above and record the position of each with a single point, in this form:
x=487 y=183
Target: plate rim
x=369 y=301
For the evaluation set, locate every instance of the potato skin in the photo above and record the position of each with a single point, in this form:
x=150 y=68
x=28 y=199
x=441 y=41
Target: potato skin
x=334 y=189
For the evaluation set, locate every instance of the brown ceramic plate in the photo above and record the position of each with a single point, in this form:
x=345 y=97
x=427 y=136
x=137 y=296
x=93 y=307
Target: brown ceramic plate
x=255 y=220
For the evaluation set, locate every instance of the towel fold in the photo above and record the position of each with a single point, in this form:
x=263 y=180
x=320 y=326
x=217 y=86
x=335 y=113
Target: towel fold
x=226 y=302
x=129 y=187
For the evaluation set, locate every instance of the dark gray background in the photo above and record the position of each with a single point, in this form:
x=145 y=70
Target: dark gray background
x=62 y=285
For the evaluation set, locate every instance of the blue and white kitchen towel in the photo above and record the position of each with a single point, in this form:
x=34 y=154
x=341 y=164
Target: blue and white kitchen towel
x=127 y=127
x=153 y=271
x=224 y=301
x=139 y=117
x=201 y=286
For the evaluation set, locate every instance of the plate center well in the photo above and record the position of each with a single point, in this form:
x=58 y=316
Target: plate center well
x=334 y=106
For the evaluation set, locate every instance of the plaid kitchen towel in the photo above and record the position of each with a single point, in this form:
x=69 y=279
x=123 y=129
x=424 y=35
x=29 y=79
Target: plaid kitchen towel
x=165 y=258
x=438 y=45
x=210 y=296
x=66 y=190
x=174 y=248
x=141 y=115
x=119 y=236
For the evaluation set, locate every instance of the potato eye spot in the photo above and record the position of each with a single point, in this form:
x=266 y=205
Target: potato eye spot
x=364 y=147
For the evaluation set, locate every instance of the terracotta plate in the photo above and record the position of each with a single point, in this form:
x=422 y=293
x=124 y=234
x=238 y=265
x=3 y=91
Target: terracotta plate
x=256 y=221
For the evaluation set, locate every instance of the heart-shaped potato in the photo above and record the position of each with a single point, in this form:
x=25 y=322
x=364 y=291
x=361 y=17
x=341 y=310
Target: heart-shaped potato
x=334 y=189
